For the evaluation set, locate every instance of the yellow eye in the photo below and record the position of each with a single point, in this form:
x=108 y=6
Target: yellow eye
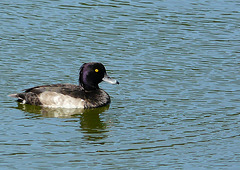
x=96 y=70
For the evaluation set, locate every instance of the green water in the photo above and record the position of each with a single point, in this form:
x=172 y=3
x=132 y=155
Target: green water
x=177 y=105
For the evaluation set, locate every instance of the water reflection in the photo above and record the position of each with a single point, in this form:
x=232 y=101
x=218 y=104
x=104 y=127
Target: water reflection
x=59 y=112
x=90 y=123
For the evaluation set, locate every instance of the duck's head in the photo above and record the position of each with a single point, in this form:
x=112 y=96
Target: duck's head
x=91 y=74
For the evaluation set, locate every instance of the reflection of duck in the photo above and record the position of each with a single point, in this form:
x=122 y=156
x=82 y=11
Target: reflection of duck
x=85 y=95
x=90 y=123
x=30 y=109
x=59 y=112
x=90 y=120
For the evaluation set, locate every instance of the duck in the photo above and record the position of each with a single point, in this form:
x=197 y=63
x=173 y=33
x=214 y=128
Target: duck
x=85 y=95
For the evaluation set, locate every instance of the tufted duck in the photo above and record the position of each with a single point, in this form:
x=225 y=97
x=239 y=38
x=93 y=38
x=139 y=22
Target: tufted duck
x=85 y=95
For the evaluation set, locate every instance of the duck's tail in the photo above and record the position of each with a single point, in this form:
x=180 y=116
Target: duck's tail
x=20 y=97
x=13 y=95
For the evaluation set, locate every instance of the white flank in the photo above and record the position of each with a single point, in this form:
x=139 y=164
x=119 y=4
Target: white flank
x=54 y=100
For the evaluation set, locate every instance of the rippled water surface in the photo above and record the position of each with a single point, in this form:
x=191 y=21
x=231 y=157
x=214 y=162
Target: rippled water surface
x=177 y=105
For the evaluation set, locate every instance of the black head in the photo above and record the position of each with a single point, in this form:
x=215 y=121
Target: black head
x=91 y=74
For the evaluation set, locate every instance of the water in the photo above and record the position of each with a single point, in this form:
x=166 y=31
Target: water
x=177 y=105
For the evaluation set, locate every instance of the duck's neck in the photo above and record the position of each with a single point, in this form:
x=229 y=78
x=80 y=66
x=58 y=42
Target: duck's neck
x=88 y=86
